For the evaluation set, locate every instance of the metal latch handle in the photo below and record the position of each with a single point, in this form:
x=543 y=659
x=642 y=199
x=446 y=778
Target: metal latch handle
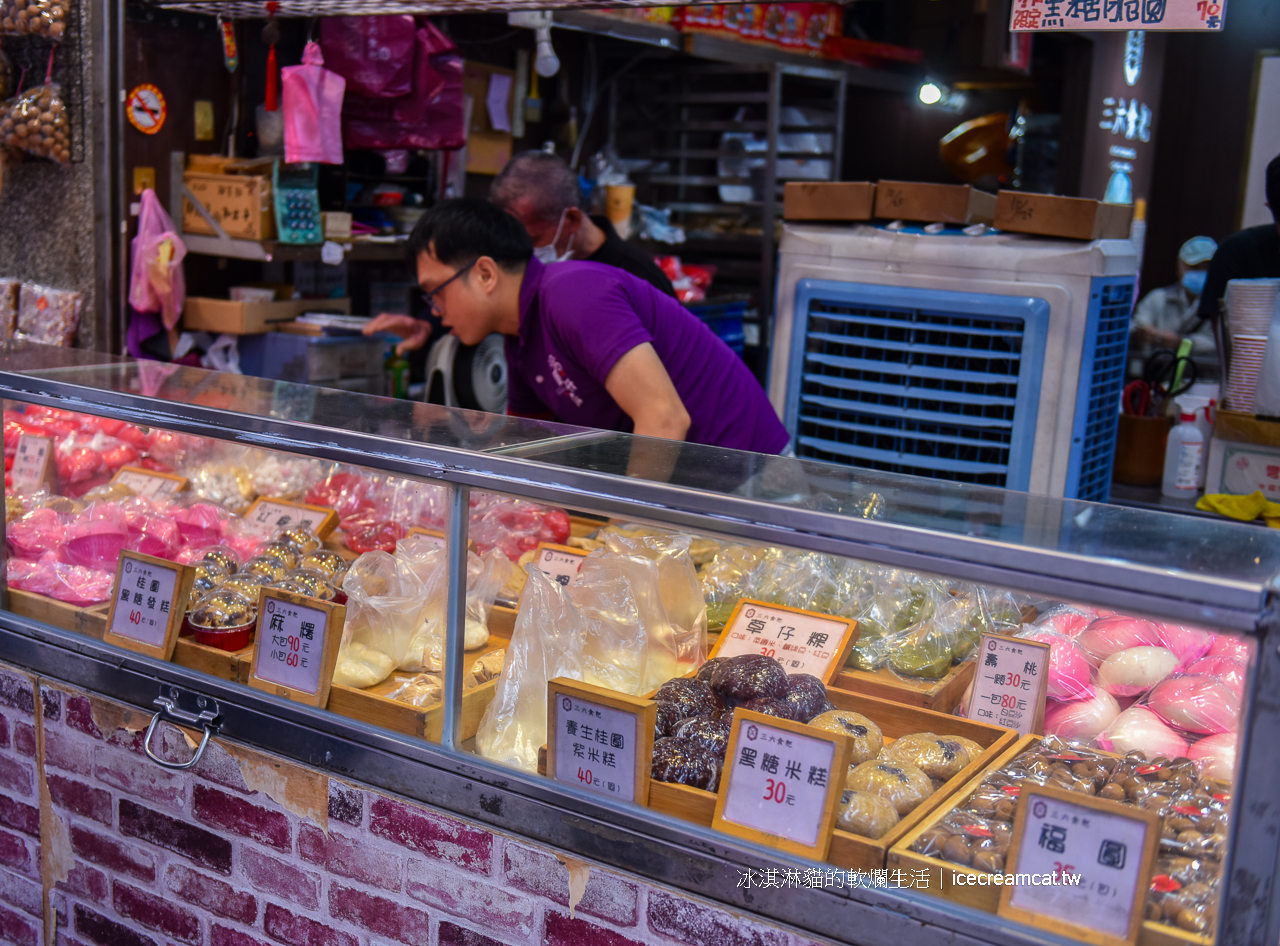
x=206 y=720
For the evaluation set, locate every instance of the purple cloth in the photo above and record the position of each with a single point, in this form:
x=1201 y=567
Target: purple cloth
x=142 y=327
x=577 y=319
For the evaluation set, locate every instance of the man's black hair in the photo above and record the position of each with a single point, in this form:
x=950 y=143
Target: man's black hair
x=461 y=230
x=1273 y=187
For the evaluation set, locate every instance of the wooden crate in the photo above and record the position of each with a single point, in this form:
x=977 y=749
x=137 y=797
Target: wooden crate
x=91 y=621
x=230 y=665
x=941 y=696
x=987 y=898
x=851 y=851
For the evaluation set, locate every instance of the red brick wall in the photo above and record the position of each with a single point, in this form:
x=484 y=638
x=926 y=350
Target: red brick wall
x=226 y=855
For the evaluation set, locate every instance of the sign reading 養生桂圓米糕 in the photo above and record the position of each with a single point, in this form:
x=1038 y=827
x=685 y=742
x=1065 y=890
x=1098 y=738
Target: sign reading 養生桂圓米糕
x=599 y=739
x=1084 y=15
x=1081 y=865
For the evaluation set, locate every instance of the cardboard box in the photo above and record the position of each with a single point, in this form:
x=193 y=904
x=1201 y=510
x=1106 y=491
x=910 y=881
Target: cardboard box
x=828 y=200
x=934 y=203
x=1073 y=218
x=241 y=204
x=251 y=318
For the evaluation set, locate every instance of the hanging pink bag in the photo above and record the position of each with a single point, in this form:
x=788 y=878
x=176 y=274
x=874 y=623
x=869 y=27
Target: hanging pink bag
x=431 y=117
x=312 y=110
x=373 y=53
x=157 y=282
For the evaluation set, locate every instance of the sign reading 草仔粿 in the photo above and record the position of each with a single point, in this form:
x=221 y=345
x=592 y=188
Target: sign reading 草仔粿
x=802 y=641
x=1044 y=15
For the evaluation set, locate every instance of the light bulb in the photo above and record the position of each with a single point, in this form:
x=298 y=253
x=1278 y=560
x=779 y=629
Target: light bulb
x=930 y=94
x=546 y=64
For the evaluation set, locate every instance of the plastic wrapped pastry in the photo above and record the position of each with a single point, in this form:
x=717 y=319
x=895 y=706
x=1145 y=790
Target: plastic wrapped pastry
x=283 y=552
x=1230 y=670
x=1109 y=635
x=1070 y=674
x=866 y=814
x=747 y=676
x=1196 y=703
x=1137 y=728
x=426 y=689
x=208 y=576
x=685 y=762
x=224 y=556
x=711 y=734
x=806 y=696
x=936 y=756
x=681 y=699
x=863 y=733
x=1189 y=643
x=1216 y=756
x=222 y=609
x=488 y=667
x=1081 y=720
x=360 y=666
x=267 y=566
x=331 y=563
x=1136 y=670
x=900 y=783
x=768 y=706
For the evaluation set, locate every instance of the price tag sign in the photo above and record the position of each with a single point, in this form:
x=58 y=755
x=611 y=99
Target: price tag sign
x=147 y=604
x=802 y=641
x=268 y=516
x=297 y=646
x=32 y=463
x=434 y=537
x=1035 y=16
x=599 y=739
x=560 y=562
x=781 y=782
x=1011 y=683
x=149 y=483
x=1082 y=866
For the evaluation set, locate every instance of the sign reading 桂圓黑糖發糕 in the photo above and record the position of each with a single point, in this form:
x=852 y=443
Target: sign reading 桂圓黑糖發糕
x=1084 y=15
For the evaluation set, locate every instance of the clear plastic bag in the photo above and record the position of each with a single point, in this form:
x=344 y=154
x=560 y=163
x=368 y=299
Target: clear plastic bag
x=628 y=643
x=157 y=281
x=1196 y=703
x=48 y=316
x=726 y=579
x=545 y=643
x=34 y=17
x=385 y=600
x=96 y=537
x=1070 y=673
x=513 y=525
x=36 y=122
x=678 y=588
x=1081 y=720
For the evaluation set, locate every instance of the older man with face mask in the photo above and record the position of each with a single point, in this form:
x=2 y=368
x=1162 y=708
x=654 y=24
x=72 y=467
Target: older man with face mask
x=586 y=344
x=1167 y=315
x=541 y=191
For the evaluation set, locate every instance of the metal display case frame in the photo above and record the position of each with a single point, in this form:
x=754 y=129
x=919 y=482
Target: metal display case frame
x=1049 y=559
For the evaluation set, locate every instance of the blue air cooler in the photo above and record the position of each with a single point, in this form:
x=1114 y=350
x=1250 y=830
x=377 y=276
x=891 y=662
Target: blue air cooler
x=995 y=359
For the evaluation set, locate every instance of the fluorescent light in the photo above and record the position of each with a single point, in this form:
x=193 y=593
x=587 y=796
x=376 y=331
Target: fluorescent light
x=931 y=93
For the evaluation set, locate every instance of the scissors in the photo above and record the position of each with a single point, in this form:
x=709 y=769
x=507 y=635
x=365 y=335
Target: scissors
x=1136 y=398
x=1168 y=374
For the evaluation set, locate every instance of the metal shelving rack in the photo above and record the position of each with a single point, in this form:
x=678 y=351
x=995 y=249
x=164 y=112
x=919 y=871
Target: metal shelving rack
x=698 y=102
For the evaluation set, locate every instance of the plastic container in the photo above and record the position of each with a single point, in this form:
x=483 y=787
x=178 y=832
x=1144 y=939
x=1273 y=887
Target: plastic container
x=223 y=638
x=1183 y=458
x=1202 y=407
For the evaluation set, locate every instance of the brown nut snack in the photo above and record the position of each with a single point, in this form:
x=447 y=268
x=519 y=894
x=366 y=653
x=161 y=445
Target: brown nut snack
x=37 y=123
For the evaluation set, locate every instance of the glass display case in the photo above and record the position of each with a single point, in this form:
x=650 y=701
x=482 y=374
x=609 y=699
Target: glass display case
x=401 y=534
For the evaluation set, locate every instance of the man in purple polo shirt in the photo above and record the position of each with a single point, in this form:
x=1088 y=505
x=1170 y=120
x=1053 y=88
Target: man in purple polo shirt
x=587 y=344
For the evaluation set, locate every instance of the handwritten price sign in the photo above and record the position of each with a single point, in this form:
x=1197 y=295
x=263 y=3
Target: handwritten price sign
x=781 y=783
x=32 y=463
x=266 y=517
x=297 y=646
x=147 y=604
x=599 y=739
x=1048 y=15
x=1097 y=857
x=1009 y=688
x=802 y=641
x=149 y=483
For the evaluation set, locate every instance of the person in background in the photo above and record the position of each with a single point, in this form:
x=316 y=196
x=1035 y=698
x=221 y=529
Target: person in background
x=1249 y=254
x=1171 y=313
x=541 y=191
x=586 y=344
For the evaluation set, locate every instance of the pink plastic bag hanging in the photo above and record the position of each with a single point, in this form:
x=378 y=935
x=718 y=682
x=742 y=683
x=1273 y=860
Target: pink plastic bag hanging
x=313 y=110
x=430 y=117
x=157 y=282
x=373 y=53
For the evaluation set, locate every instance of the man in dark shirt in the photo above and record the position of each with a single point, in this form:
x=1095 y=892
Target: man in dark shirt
x=541 y=191
x=1250 y=254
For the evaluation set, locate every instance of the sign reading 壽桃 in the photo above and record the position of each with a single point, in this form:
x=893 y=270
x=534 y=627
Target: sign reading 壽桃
x=1084 y=15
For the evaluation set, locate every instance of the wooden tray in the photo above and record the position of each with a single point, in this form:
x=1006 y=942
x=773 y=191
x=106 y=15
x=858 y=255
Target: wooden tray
x=941 y=696
x=987 y=898
x=851 y=851
x=91 y=621
x=230 y=665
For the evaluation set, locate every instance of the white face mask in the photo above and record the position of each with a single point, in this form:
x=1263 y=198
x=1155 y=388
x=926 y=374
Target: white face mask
x=547 y=254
